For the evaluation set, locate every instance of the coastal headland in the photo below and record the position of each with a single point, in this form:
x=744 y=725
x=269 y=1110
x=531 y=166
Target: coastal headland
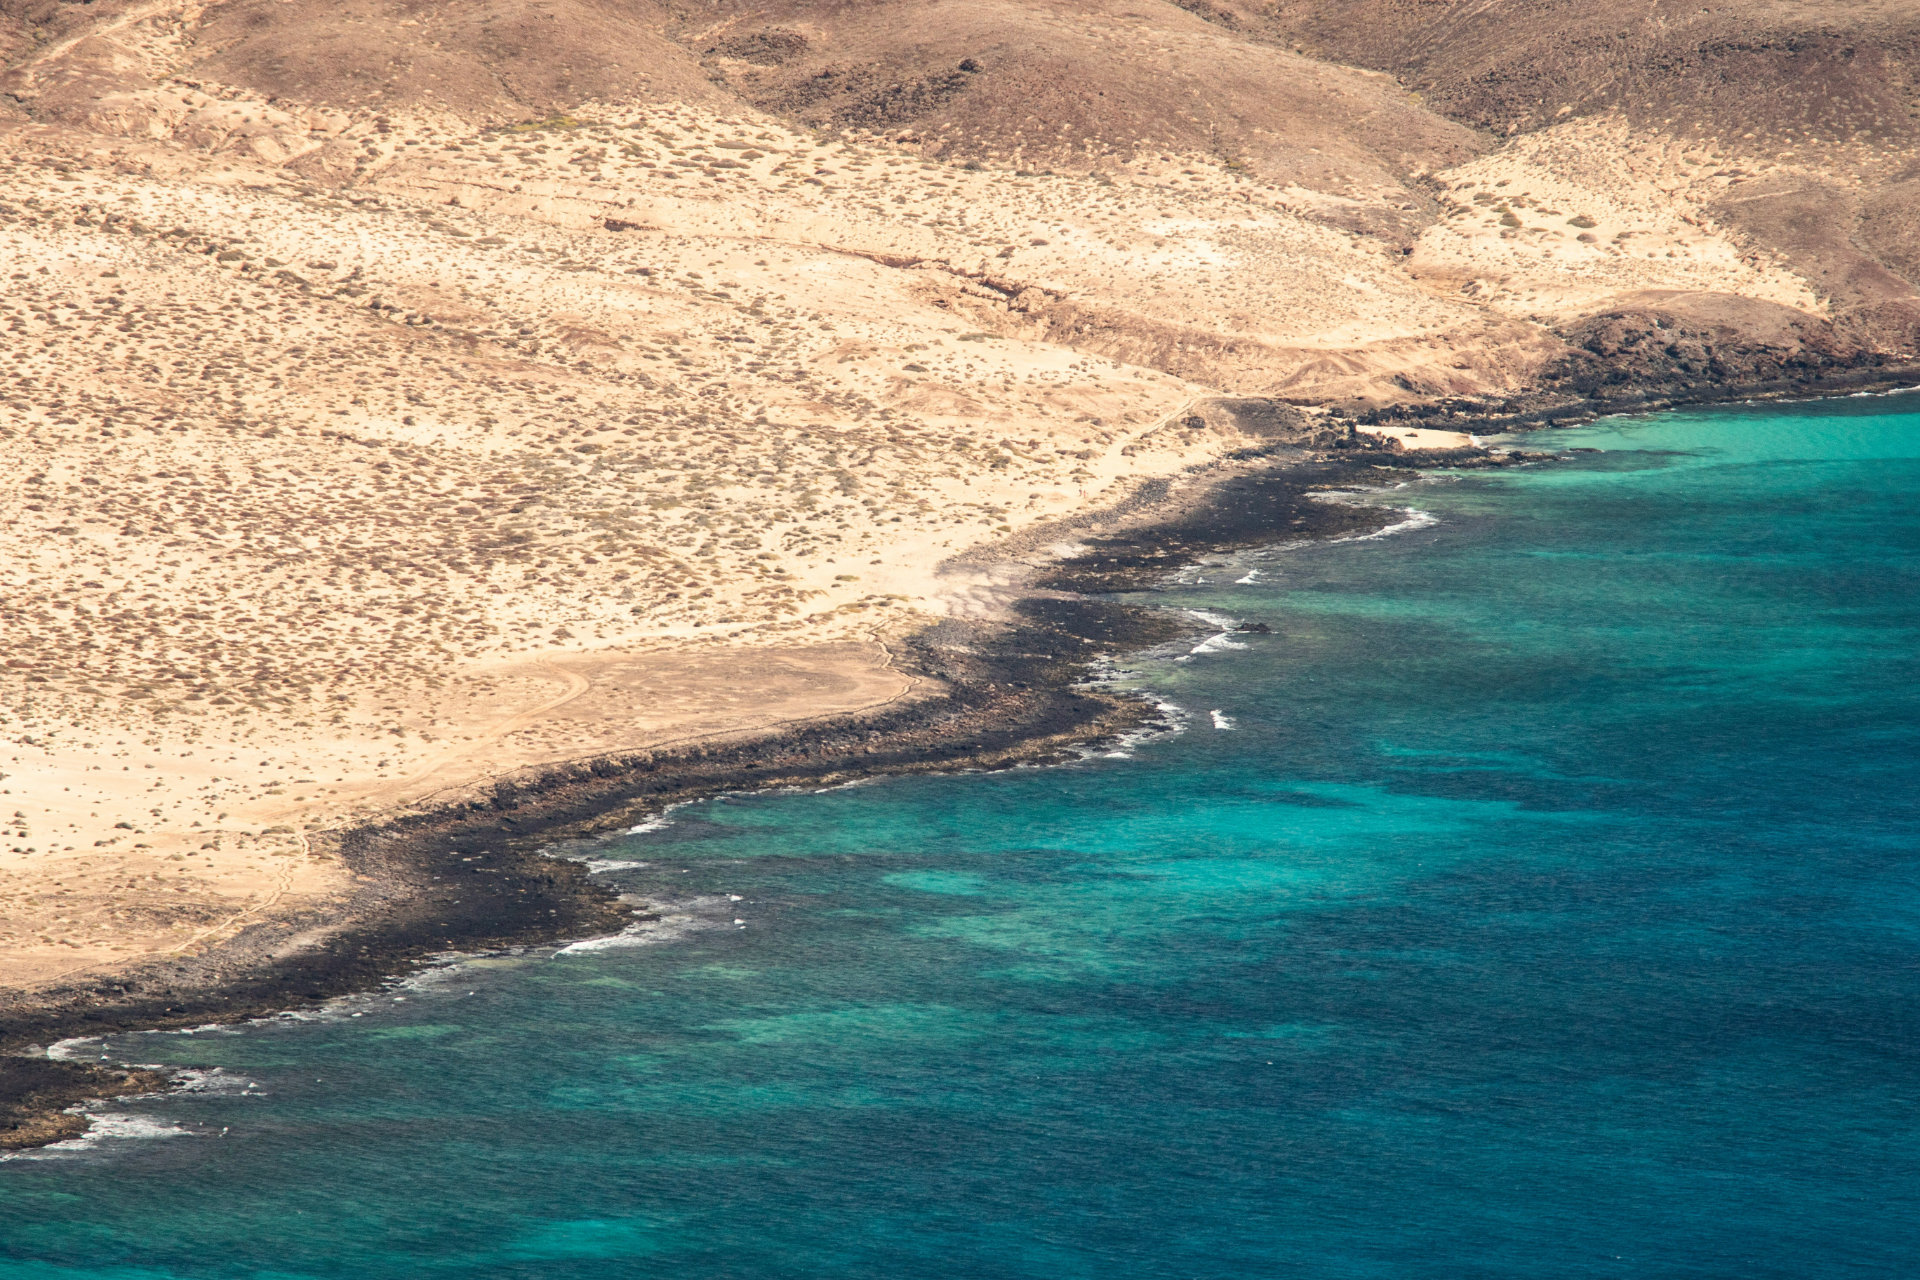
x=435 y=433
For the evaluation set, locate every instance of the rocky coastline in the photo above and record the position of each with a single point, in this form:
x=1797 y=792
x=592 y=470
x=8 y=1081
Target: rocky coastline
x=473 y=875
x=1647 y=360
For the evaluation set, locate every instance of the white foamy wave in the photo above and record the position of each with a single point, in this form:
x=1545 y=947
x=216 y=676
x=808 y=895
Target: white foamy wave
x=210 y=1080
x=1253 y=576
x=1416 y=519
x=448 y=969
x=651 y=934
x=1221 y=721
x=586 y=850
x=647 y=933
x=1216 y=644
x=848 y=785
x=613 y=864
x=76 y=1047
x=1211 y=619
x=90 y=1047
x=326 y=1013
x=1175 y=721
x=104 y=1127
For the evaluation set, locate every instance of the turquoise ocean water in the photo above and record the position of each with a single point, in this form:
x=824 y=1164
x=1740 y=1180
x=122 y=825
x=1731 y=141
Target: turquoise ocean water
x=1546 y=908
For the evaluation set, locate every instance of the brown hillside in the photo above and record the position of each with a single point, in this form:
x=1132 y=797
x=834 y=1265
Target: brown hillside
x=499 y=58
x=1776 y=73
x=1072 y=84
x=1824 y=93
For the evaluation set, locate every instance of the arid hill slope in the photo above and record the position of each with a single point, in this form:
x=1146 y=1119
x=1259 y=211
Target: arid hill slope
x=1818 y=99
x=398 y=395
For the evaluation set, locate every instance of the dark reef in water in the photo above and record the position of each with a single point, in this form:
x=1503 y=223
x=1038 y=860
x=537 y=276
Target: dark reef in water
x=474 y=876
x=36 y=1092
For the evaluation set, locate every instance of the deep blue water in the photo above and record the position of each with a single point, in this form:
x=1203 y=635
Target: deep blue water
x=1549 y=910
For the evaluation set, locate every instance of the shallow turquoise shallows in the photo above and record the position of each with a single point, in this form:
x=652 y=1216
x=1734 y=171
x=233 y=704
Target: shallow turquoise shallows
x=1540 y=902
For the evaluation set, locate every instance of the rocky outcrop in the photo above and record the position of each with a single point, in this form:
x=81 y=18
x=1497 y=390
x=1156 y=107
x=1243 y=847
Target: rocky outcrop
x=1694 y=347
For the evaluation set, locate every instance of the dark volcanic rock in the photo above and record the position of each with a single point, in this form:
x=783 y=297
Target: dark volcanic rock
x=1667 y=353
x=1249 y=510
x=35 y=1093
x=474 y=876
